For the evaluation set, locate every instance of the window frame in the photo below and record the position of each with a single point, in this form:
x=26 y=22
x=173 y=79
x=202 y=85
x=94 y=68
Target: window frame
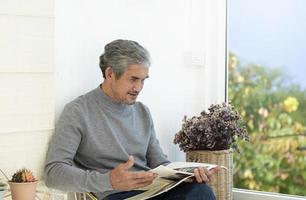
x=244 y=194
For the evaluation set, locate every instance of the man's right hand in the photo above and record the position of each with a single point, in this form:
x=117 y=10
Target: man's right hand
x=122 y=179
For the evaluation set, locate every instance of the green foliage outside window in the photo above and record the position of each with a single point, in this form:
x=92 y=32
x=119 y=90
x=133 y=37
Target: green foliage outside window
x=274 y=110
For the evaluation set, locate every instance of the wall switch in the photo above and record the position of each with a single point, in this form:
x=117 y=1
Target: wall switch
x=194 y=59
x=198 y=59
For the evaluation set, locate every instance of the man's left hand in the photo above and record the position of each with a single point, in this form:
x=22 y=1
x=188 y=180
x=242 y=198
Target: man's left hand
x=203 y=175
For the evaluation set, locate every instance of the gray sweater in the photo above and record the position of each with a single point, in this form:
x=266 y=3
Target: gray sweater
x=95 y=134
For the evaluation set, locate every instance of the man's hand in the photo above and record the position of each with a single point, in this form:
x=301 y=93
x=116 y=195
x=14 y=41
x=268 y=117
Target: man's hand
x=122 y=179
x=203 y=175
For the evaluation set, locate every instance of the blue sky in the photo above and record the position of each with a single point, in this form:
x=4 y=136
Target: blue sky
x=271 y=33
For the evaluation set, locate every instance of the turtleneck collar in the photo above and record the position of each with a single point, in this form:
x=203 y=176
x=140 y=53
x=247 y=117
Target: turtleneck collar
x=103 y=99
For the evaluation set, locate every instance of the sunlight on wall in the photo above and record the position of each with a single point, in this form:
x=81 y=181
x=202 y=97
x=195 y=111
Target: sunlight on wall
x=26 y=83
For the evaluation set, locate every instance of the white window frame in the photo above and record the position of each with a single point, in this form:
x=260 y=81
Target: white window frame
x=243 y=194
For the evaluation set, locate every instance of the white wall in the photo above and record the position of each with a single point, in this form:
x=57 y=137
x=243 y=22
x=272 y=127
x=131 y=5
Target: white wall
x=26 y=83
x=186 y=39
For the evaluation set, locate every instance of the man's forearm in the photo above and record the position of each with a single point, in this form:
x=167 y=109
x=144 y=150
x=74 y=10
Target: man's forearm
x=69 y=178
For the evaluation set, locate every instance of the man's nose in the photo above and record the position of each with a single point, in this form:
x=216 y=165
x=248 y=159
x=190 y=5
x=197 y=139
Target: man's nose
x=138 y=86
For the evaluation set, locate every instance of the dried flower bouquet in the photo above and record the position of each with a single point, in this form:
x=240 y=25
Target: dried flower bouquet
x=217 y=129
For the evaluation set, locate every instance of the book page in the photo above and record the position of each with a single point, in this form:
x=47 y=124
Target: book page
x=190 y=166
x=169 y=177
x=159 y=186
x=167 y=172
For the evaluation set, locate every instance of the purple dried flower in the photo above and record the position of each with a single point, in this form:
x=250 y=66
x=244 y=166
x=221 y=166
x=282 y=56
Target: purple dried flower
x=217 y=129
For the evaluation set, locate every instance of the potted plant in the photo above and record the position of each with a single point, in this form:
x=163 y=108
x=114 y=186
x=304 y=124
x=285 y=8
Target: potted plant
x=211 y=138
x=23 y=185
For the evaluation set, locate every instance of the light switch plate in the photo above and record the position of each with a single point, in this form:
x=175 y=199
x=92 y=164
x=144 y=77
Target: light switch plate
x=194 y=59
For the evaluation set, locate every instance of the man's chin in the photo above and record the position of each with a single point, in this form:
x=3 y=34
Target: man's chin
x=130 y=101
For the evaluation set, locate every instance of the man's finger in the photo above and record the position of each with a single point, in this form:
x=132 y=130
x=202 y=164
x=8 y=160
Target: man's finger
x=204 y=174
x=215 y=169
x=142 y=184
x=141 y=175
x=197 y=176
x=128 y=164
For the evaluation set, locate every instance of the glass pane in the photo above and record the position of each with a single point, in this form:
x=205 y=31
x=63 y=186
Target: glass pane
x=267 y=84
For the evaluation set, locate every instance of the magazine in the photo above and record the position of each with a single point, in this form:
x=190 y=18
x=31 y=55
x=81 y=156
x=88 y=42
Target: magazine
x=169 y=177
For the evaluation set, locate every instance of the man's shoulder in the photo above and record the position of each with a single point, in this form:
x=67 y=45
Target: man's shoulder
x=140 y=104
x=142 y=107
x=81 y=102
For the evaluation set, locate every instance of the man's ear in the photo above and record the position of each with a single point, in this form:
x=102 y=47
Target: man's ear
x=109 y=73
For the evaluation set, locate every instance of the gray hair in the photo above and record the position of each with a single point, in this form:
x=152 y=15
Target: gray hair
x=120 y=54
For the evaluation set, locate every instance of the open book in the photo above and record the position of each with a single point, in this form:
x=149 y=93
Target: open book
x=169 y=177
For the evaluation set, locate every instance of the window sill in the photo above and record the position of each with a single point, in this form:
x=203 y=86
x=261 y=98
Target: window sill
x=242 y=194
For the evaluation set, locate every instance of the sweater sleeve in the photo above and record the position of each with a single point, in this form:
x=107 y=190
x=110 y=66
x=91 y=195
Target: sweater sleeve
x=155 y=155
x=60 y=170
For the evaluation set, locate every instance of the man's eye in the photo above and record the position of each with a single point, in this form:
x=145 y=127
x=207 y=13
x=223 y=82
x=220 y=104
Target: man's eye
x=133 y=80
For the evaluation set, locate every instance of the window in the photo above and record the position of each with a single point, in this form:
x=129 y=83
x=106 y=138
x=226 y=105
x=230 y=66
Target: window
x=267 y=85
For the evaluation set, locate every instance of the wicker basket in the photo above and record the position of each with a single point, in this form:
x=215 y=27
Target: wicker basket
x=222 y=182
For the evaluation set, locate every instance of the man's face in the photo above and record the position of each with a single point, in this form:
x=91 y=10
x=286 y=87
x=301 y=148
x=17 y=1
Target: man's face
x=126 y=88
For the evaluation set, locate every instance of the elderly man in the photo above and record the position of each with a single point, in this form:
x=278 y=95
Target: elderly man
x=104 y=141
